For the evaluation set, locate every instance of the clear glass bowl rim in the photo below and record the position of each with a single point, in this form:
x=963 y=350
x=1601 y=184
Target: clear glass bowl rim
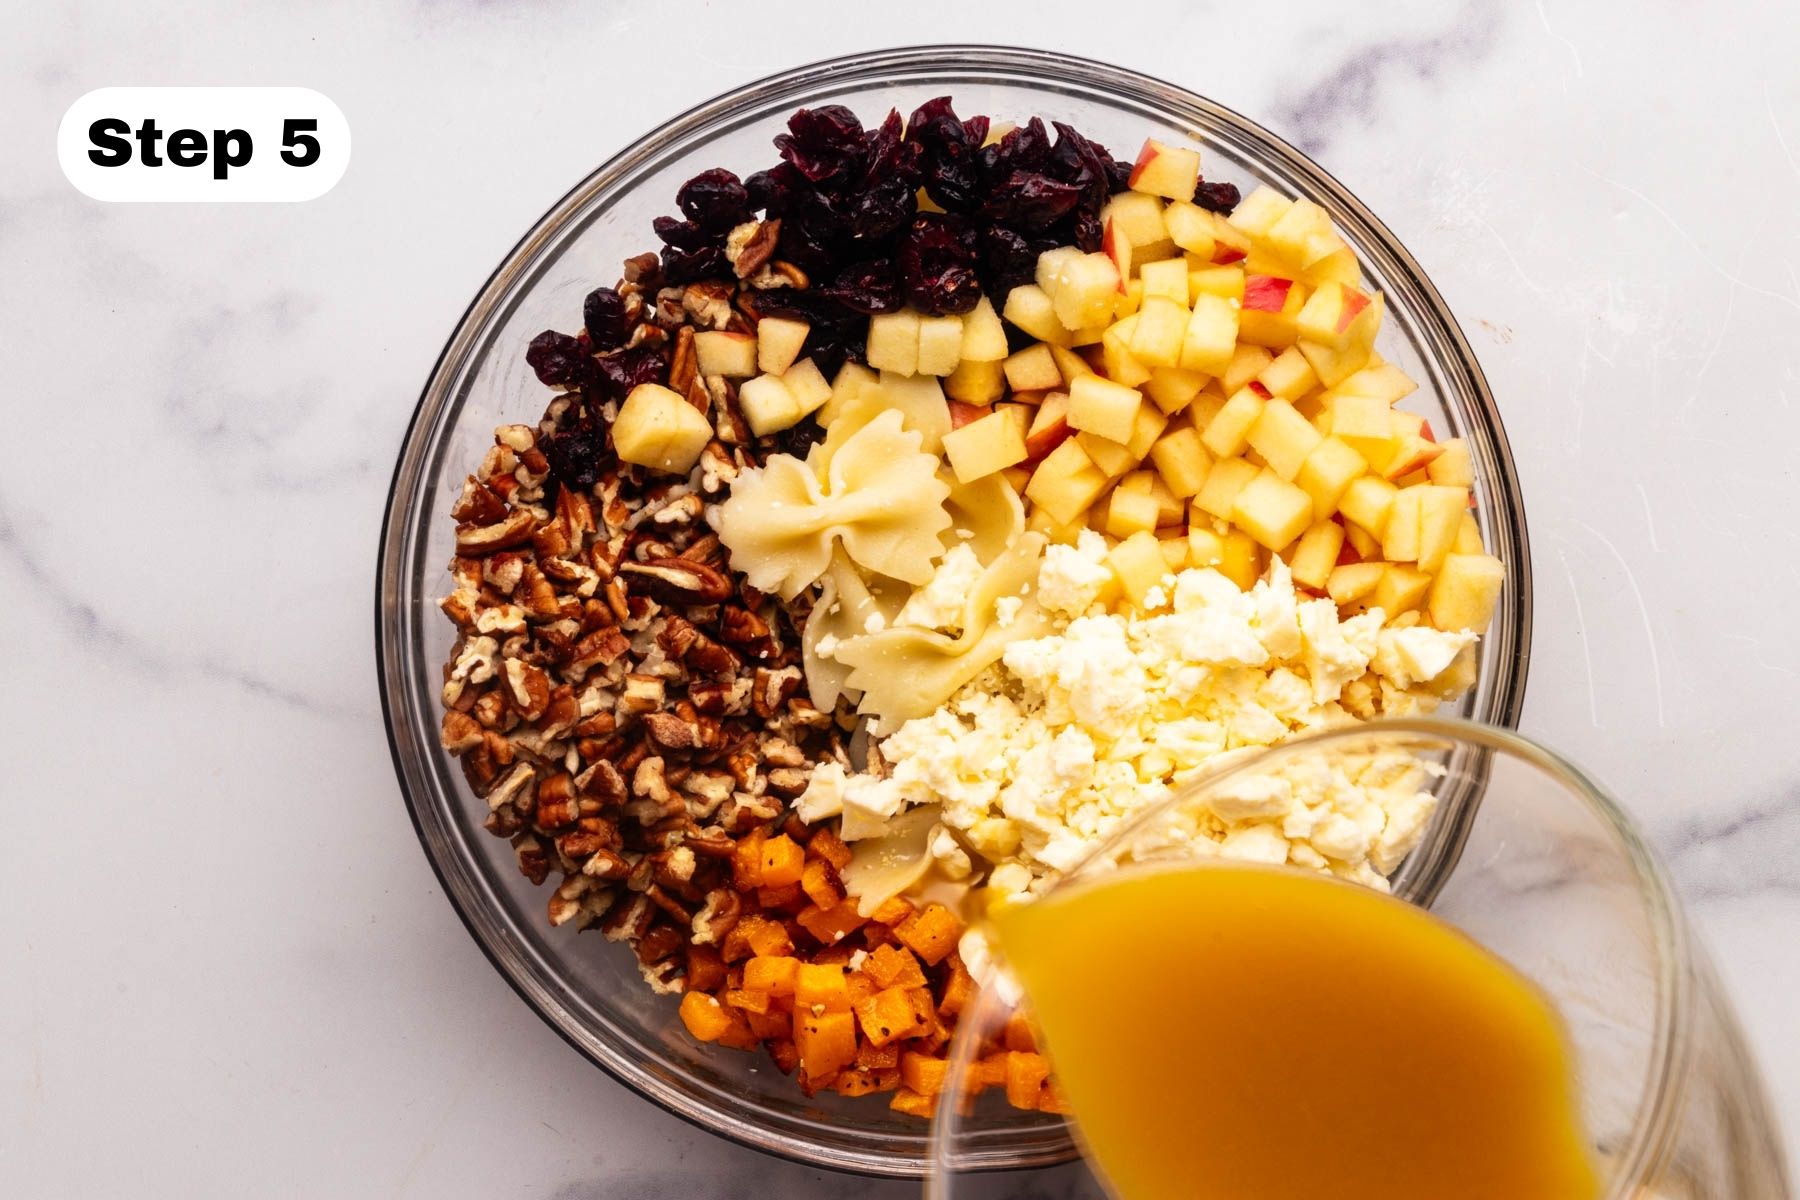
x=950 y=64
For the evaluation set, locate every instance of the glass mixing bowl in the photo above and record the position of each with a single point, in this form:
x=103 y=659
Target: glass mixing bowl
x=588 y=989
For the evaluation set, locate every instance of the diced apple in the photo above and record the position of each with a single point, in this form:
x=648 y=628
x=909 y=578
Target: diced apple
x=1062 y=533
x=768 y=405
x=1139 y=563
x=1206 y=545
x=1354 y=581
x=1247 y=362
x=1173 y=388
x=1102 y=407
x=1401 y=589
x=1227 y=433
x=1116 y=357
x=1049 y=426
x=1340 y=266
x=1271 y=510
x=982 y=447
x=1331 y=315
x=1208 y=237
x=1167 y=279
x=976 y=382
x=1030 y=308
x=1365 y=422
x=1205 y=407
x=1303 y=235
x=659 y=429
x=1367 y=501
x=1112 y=458
x=893 y=343
x=1468 y=536
x=940 y=344
x=1441 y=513
x=1129 y=512
x=1361 y=542
x=1208 y=337
x=1117 y=245
x=725 y=352
x=1083 y=290
x=1070 y=364
x=1226 y=478
x=846 y=389
x=1033 y=370
x=1407 y=455
x=1156 y=341
x=1271 y=305
x=1283 y=438
x=1129 y=300
x=778 y=342
x=1336 y=364
x=1240 y=561
x=1257 y=213
x=1138 y=214
x=1315 y=554
x=1146 y=427
x=1290 y=376
x=1465 y=592
x=806 y=383
x=1328 y=470
x=1182 y=461
x=1385 y=381
x=1164 y=170
x=1452 y=467
x=1066 y=482
x=1174 y=548
x=1227 y=283
x=1400 y=536
x=983 y=336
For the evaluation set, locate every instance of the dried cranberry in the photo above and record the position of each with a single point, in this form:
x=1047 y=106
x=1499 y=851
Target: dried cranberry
x=1216 y=197
x=621 y=372
x=1007 y=260
x=714 y=200
x=797 y=440
x=558 y=358
x=1085 y=231
x=888 y=156
x=603 y=312
x=884 y=208
x=937 y=268
x=772 y=191
x=868 y=287
x=950 y=155
x=576 y=456
x=1025 y=148
x=1031 y=202
x=683 y=235
x=689 y=266
x=821 y=142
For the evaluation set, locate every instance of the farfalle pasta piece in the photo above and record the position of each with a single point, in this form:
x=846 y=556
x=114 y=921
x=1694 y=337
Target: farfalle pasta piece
x=848 y=606
x=988 y=511
x=906 y=672
x=881 y=499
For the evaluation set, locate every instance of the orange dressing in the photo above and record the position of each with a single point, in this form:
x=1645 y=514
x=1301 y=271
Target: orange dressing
x=1227 y=1032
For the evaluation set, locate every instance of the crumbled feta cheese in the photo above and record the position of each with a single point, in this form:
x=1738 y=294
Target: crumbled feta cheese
x=1072 y=578
x=940 y=604
x=1006 y=610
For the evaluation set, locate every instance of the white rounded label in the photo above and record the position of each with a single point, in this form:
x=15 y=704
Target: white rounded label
x=173 y=144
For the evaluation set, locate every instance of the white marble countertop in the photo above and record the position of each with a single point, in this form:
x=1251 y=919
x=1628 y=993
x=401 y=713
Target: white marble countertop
x=227 y=969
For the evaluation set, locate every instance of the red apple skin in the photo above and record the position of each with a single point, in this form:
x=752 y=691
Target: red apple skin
x=1261 y=391
x=962 y=414
x=1421 y=459
x=1347 y=555
x=1145 y=157
x=1223 y=255
x=1354 y=303
x=1425 y=431
x=1111 y=251
x=1040 y=442
x=1266 y=293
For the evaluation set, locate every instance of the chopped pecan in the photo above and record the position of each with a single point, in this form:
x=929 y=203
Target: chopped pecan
x=755 y=246
x=513 y=529
x=683 y=363
x=478 y=505
x=680 y=581
x=528 y=688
